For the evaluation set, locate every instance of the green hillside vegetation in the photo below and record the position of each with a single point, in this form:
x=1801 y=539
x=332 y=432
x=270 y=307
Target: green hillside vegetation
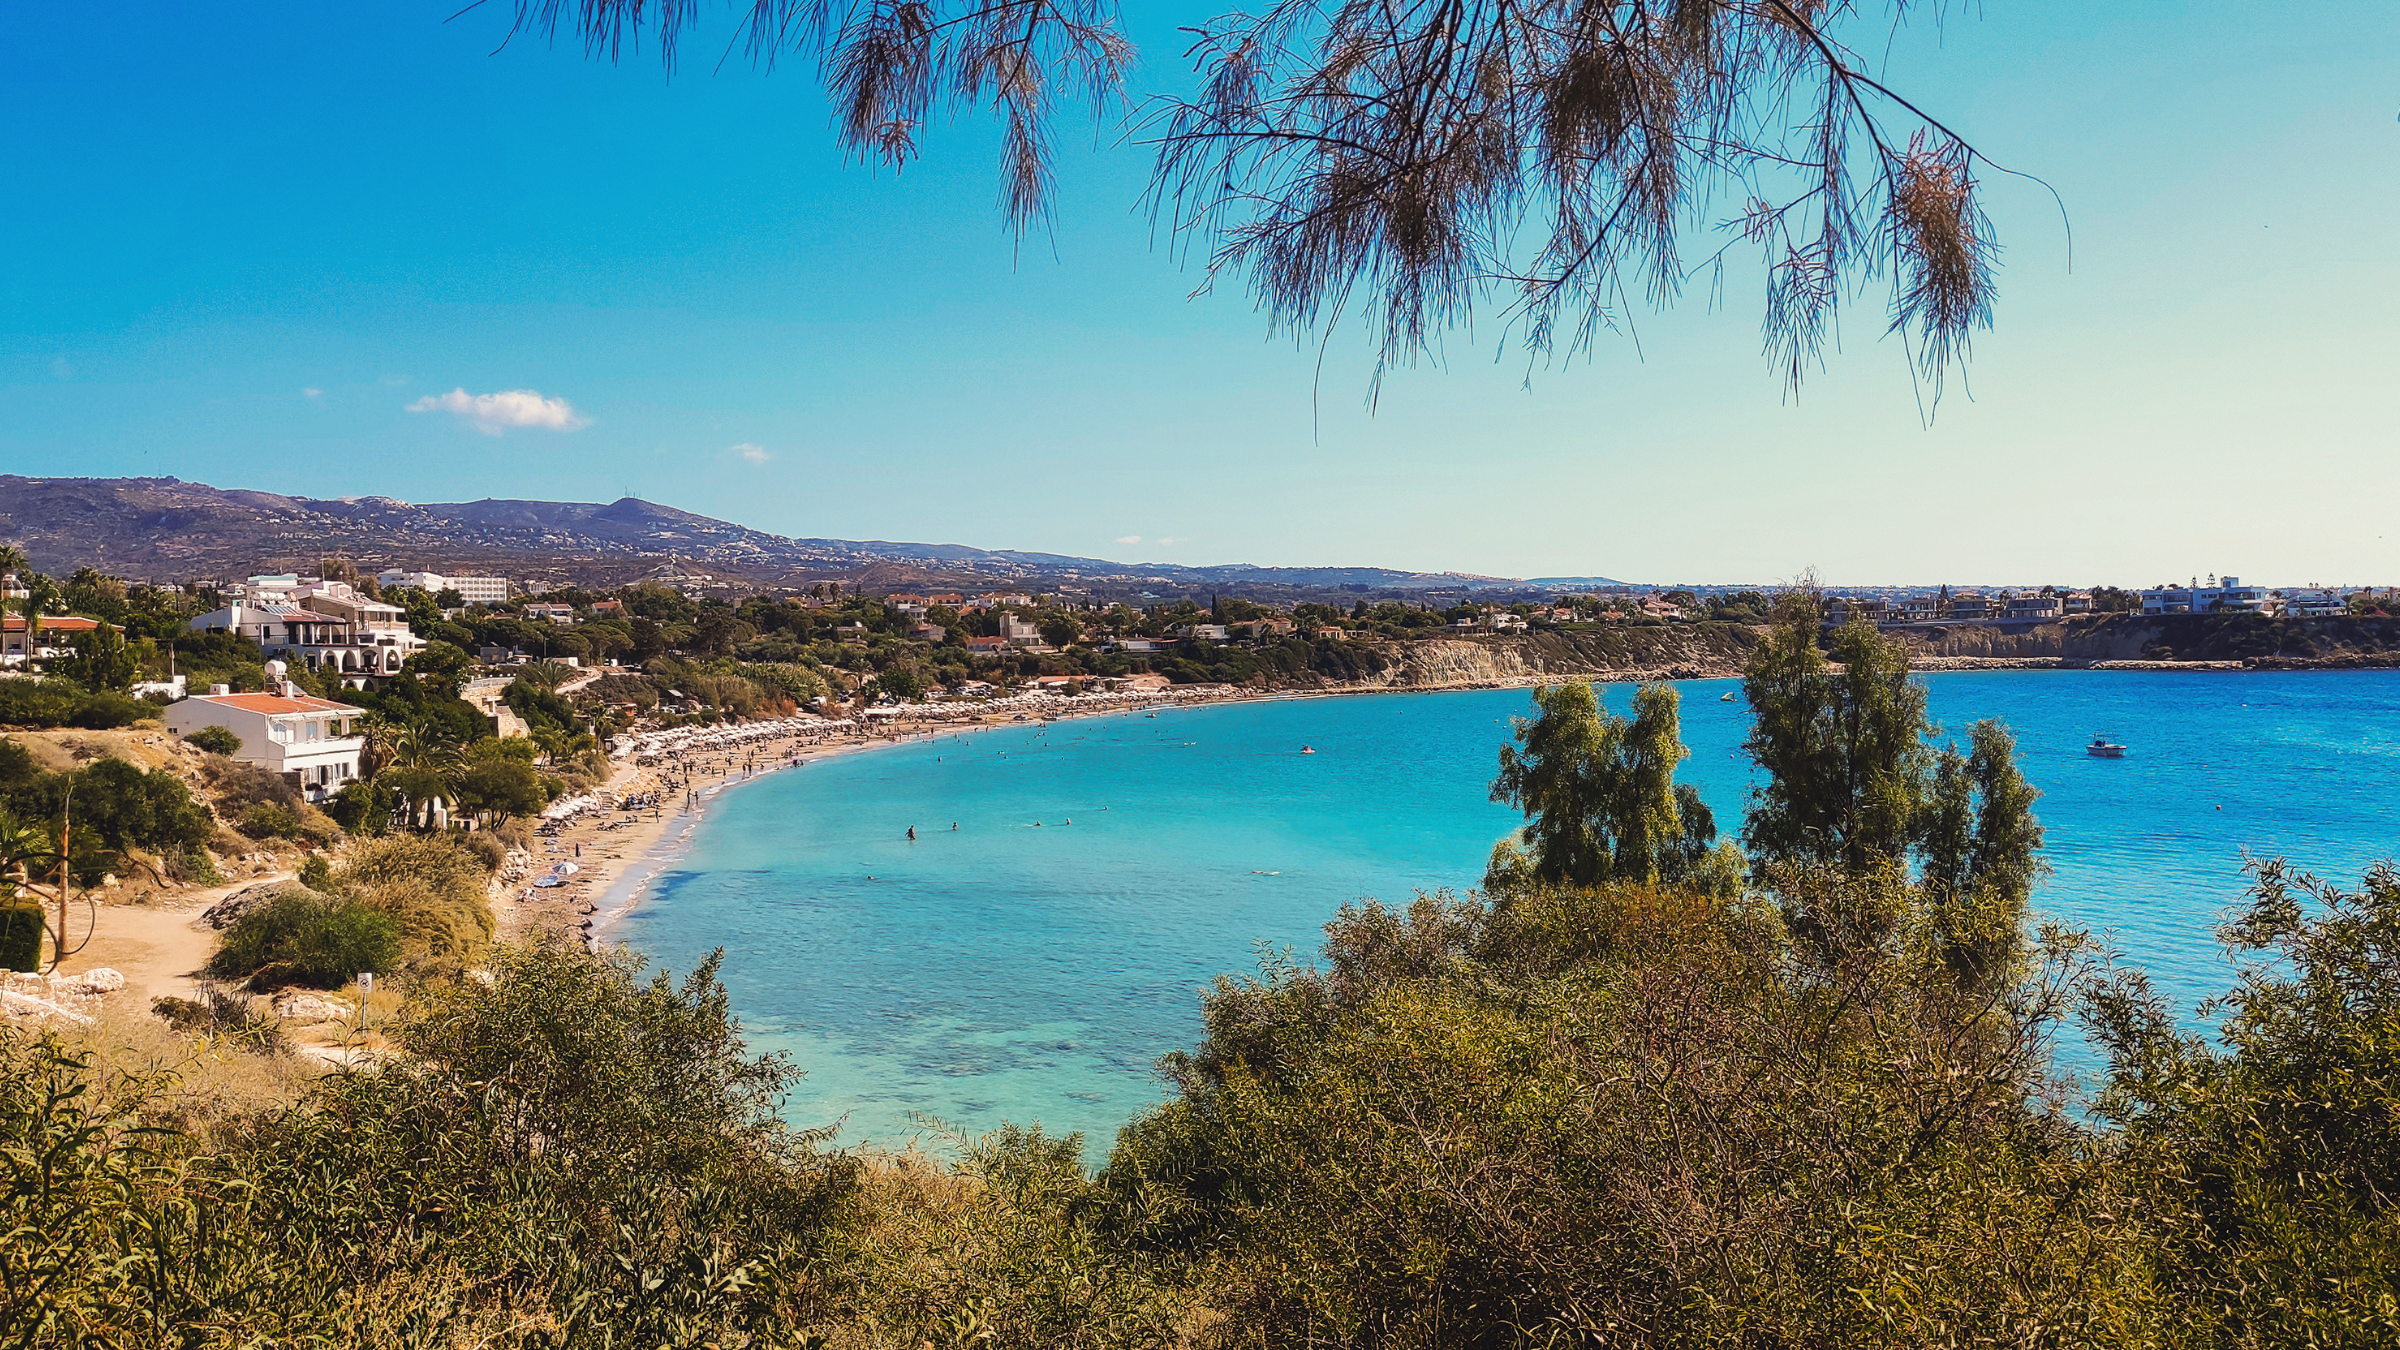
x=1645 y=1089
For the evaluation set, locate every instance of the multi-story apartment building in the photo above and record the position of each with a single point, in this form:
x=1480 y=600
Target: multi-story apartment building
x=473 y=590
x=323 y=623
x=2215 y=597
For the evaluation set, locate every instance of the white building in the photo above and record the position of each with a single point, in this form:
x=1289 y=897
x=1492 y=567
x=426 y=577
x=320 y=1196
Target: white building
x=2218 y=596
x=324 y=623
x=2313 y=602
x=59 y=631
x=306 y=739
x=474 y=590
x=1018 y=633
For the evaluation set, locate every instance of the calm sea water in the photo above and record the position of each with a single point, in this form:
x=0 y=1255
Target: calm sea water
x=1031 y=963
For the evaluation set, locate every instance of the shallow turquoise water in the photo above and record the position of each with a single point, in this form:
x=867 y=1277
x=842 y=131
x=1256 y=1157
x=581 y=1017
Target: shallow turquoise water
x=1014 y=971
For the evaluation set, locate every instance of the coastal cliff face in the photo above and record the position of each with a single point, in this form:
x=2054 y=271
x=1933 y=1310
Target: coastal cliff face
x=2250 y=638
x=1718 y=650
x=1695 y=651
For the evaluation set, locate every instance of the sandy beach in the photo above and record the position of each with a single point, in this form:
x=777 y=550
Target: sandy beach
x=621 y=837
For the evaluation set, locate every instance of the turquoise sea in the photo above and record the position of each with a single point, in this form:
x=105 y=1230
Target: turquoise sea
x=1032 y=963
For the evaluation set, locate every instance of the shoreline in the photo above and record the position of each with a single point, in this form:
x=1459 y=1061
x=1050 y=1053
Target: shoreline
x=618 y=875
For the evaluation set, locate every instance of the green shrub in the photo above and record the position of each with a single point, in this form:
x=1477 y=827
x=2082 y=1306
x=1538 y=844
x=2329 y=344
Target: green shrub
x=132 y=809
x=485 y=848
x=21 y=929
x=215 y=740
x=60 y=703
x=241 y=786
x=363 y=808
x=573 y=1157
x=302 y=937
x=435 y=887
x=270 y=822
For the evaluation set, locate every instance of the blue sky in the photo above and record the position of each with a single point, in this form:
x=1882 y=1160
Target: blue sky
x=244 y=242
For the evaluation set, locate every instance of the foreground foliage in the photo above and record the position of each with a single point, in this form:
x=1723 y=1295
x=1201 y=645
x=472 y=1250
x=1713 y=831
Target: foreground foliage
x=1616 y=1115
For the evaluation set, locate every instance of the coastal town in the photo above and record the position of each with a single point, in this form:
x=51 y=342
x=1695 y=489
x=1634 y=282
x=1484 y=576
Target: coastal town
x=1070 y=675
x=425 y=699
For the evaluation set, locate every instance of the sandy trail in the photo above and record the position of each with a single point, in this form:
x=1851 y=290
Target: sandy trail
x=158 y=947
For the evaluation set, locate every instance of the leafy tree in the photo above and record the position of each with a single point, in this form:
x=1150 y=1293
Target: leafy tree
x=1843 y=752
x=496 y=780
x=2266 y=1168
x=1599 y=795
x=1856 y=792
x=128 y=808
x=101 y=662
x=439 y=664
x=1060 y=629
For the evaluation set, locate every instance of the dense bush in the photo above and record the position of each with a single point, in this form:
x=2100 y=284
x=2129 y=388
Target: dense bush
x=267 y=821
x=133 y=809
x=60 y=703
x=434 y=887
x=241 y=786
x=122 y=806
x=215 y=740
x=1586 y=1116
x=569 y=1158
x=305 y=938
x=2268 y=1168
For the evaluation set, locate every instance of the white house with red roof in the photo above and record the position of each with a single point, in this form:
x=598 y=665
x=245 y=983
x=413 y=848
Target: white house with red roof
x=58 y=631
x=284 y=732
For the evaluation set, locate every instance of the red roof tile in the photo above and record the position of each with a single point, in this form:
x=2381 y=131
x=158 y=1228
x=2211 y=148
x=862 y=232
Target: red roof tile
x=274 y=704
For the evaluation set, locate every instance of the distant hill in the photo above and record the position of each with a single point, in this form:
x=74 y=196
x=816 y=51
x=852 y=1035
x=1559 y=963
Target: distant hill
x=165 y=529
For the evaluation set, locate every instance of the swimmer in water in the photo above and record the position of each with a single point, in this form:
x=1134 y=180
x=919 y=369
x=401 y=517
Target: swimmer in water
x=912 y=834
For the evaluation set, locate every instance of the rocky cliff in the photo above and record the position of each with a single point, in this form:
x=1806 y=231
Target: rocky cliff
x=1684 y=652
x=2255 y=639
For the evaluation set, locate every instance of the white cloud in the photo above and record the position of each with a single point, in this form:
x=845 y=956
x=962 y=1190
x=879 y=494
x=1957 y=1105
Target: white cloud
x=312 y=393
x=492 y=414
x=756 y=454
x=1130 y=539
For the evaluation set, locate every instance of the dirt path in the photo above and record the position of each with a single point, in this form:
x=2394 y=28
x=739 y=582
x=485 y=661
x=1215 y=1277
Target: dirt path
x=158 y=948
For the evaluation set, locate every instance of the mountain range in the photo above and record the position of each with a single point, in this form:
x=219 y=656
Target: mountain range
x=168 y=530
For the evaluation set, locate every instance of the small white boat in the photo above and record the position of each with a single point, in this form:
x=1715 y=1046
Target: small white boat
x=2104 y=748
x=1726 y=697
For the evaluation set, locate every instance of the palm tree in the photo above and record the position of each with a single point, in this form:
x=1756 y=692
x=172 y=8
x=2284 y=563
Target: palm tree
x=41 y=596
x=12 y=564
x=424 y=769
x=379 y=731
